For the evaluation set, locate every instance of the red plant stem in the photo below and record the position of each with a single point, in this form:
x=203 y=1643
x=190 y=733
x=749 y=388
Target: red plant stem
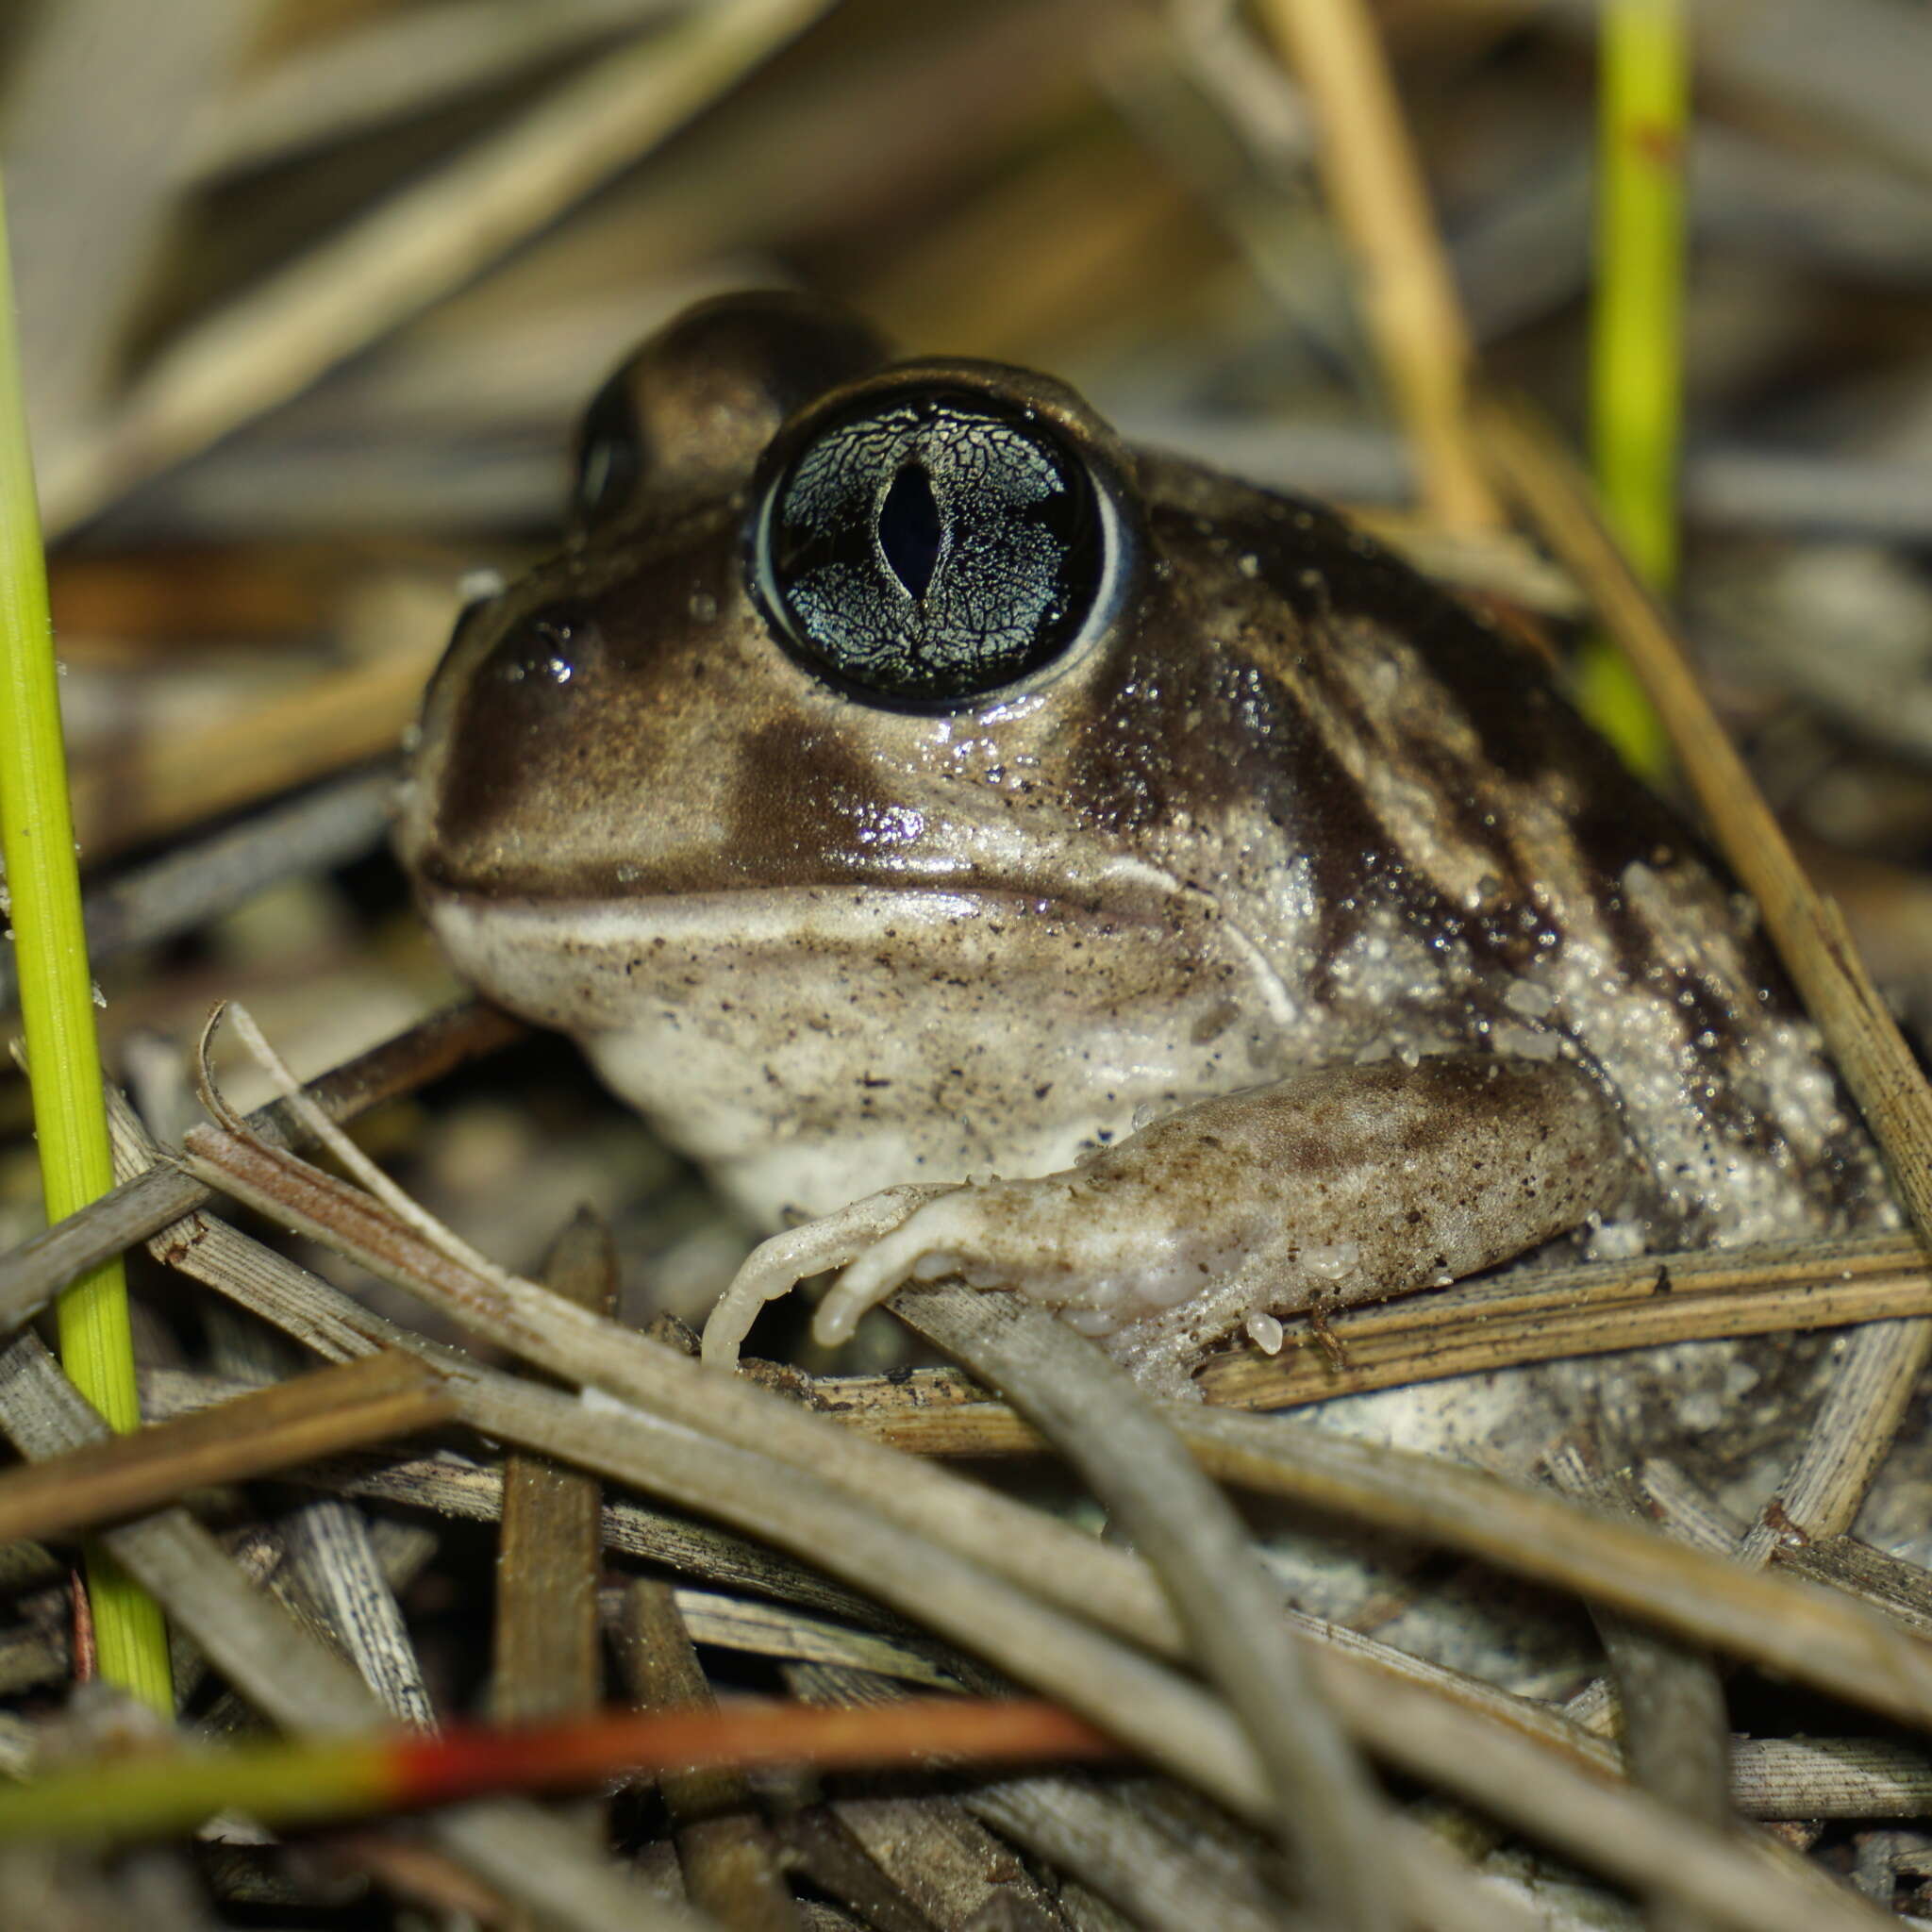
x=462 y=1762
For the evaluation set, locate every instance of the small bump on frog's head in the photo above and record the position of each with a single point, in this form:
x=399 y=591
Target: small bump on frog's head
x=693 y=408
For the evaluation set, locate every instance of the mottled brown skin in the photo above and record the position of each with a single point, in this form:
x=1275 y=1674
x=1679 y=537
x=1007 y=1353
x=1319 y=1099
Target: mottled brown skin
x=1293 y=807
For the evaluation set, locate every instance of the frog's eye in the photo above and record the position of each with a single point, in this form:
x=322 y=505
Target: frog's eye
x=928 y=545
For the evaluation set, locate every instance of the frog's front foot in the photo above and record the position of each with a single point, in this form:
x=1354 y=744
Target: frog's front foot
x=1075 y=1241
x=1045 y=1238
x=775 y=1267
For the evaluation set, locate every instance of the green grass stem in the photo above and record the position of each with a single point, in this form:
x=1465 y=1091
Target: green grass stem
x=56 y=998
x=1637 y=325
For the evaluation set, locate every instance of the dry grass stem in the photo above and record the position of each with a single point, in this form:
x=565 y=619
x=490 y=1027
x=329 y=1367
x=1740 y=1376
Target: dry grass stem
x=334 y=1565
x=938 y=1850
x=301 y=1305
x=729 y=1862
x=1618 y=1830
x=35 y=1271
x=1807 y=1633
x=318 y=1126
x=1829 y=1777
x=772 y=1630
x=1901 y=1589
x=1600 y=1308
x=1898 y=1590
x=428 y=240
x=820 y=1848
x=368 y=1401
x=1674 y=1722
x=935 y=1413
x=546 y=1660
x=1537 y=1315
x=1326 y=1812
x=1373 y=180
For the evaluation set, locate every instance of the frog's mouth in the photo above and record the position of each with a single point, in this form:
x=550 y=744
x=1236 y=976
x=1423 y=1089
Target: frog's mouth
x=595 y=963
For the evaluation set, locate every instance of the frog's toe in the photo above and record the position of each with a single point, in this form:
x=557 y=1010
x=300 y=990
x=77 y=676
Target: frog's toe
x=775 y=1267
x=768 y=1274
x=949 y=1236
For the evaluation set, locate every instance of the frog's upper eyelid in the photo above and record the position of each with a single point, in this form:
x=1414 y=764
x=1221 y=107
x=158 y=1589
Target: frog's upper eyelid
x=691 y=407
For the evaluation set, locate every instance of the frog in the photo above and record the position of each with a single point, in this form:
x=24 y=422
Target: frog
x=994 y=852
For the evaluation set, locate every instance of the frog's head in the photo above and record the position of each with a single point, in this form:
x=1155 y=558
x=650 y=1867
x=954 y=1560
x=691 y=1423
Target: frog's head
x=824 y=620
x=859 y=679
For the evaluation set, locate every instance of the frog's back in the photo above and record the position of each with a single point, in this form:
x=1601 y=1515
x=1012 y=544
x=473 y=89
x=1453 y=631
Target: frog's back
x=1486 y=870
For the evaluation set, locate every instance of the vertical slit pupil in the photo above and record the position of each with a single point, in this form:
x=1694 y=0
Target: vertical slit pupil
x=910 y=529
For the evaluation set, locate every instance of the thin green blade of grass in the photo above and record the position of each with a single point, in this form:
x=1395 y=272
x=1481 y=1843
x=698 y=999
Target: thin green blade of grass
x=1637 y=328
x=56 y=998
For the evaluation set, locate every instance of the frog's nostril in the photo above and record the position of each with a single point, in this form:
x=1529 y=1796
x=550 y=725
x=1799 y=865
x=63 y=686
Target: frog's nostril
x=910 y=531
x=549 y=649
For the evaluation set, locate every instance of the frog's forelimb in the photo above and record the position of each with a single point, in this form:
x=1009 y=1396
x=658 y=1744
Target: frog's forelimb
x=1345 y=1184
